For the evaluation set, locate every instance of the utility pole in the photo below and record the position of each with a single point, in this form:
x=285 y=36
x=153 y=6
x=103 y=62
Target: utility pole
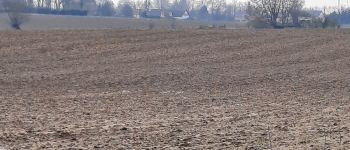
x=160 y=5
x=339 y=6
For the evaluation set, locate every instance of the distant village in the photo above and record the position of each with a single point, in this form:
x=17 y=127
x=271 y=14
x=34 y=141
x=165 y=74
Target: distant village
x=208 y=10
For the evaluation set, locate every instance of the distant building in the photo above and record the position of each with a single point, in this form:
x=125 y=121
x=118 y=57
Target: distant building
x=305 y=22
x=315 y=13
x=151 y=13
x=179 y=14
x=158 y=13
x=240 y=17
x=85 y=5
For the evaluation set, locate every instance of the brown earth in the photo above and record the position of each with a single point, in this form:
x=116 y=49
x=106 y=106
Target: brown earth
x=228 y=89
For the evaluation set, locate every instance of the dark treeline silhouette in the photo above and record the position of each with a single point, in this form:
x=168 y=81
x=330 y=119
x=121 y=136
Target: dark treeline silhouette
x=342 y=17
x=201 y=10
x=61 y=7
x=256 y=13
x=57 y=12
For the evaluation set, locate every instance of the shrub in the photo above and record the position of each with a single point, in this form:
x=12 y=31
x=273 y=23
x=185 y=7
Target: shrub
x=106 y=9
x=151 y=25
x=173 y=25
x=330 y=22
x=127 y=11
x=15 y=10
x=259 y=23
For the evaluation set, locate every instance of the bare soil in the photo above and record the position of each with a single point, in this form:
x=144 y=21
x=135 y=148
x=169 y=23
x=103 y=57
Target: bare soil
x=198 y=89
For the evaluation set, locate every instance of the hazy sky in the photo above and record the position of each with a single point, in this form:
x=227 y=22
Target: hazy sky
x=314 y=3
x=322 y=3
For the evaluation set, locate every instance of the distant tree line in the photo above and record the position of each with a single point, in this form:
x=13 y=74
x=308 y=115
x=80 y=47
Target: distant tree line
x=199 y=9
x=63 y=7
x=258 y=13
x=275 y=13
x=291 y=13
x=202 y=9
x=342 y=17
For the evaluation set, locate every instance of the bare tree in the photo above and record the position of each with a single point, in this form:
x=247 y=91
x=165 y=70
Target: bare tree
x=216 y=6
x=58 y=4
x=16 y=12
x=138 y=4
x=48 y=4
x=125 y=8
x=156 y=4
x=40 y=3
x=272 y=10
x=147 y=4
x=30 y=3
x=164 y=4
x=295 y=11
x=106 y=8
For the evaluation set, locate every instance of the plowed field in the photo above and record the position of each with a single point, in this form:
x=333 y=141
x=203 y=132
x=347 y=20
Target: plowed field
x=129 y=89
